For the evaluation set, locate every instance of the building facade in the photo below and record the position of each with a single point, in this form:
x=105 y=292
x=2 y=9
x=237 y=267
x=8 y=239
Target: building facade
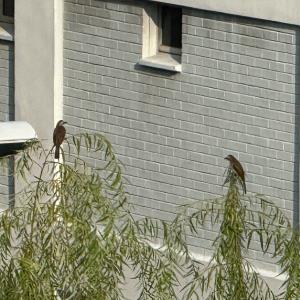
x=234 y=92
x=174 y=103
x=6 y=91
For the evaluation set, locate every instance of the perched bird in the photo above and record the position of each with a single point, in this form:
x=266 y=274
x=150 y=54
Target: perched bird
x=59 y=134
x=236 y=166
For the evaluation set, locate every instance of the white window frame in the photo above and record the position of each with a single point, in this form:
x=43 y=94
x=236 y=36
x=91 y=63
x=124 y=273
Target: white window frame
x=153 y=53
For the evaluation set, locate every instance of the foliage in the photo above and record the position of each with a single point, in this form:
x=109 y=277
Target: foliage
x=290 y=263
x=229 y=275
x=72 y=235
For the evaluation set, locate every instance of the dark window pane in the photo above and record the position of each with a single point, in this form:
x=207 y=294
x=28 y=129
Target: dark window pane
x=8 y=8
x=171 y=26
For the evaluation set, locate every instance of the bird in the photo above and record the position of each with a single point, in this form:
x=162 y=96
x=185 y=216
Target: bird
x=59 y=134
x=236 y=166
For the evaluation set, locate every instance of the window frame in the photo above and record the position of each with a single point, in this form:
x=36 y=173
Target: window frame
x=154 y=54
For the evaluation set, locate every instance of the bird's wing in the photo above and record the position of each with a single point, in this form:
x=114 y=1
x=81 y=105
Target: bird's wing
x=60 y=133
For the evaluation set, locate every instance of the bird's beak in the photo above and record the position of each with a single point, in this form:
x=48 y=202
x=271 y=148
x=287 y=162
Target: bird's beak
x=65 y=122
x=226 y=158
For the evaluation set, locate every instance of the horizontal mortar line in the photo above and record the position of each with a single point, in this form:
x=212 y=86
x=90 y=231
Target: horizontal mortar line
x=195 y=75
x=244 y=48
x=8 y=98
x=100 y=64
x=267 y=88
x=185 y=159
x=6 y=82
x=99 y=35
x=6 y=68
x=189 y=188
x=197 y=171
x=173 y=205
x=200 y=17
x=126 y=168
x=7 y=77
x=197 y=133
x=202 y=75
x=120 y=28
x=174 y=99
x=204 y=134
x=172 y=118
x=100 y=8
x=7 y=53
x=164 y=164
x=250 y=76
x=283 y=28
x=245 y=55
x=240 y=64
x=239 y=73
x=213 y=29
x=170 y=89
x=125 y=11
x=167 y=174
x=167 y=165
x=110 y=37
x=97 y=46
x=101 y=57
x=8 y=86
x=242 y=35
x=226 y=41
x=244 y=21
x=93 y=44
x=169 y=192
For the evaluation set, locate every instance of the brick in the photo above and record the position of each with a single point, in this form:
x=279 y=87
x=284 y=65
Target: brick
x=236 y=95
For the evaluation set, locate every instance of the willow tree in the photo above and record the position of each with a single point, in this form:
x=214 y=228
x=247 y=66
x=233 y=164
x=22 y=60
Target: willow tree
x=240 y=221
x=71 y=234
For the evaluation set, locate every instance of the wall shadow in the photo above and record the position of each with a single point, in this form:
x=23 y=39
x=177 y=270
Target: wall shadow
x=296 y=199
x=11 y=112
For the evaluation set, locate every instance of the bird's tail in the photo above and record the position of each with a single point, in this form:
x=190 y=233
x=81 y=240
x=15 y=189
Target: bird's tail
x=244 y=187
x=56 y=154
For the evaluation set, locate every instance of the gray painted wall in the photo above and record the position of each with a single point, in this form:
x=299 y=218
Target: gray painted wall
x=6 y=112
x=236 y=94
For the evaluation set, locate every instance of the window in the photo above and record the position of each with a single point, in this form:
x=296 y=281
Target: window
x=7 y=20
x=8 y=8
x=162 y=37
x=170 y=29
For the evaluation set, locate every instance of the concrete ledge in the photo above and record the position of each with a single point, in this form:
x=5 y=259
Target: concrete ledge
x=6 y=31
x=162 y=61
x=284 y=11
x=131 y=283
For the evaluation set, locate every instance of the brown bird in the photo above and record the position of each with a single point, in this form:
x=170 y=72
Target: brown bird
x=236 y=166
x=59 y=134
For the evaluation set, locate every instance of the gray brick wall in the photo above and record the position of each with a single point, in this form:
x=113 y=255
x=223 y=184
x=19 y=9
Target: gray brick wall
x=6 y=113
x=237 y=94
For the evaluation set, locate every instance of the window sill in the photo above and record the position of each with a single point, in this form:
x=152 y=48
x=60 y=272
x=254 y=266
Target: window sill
x=6 y=31
x=164 y=61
